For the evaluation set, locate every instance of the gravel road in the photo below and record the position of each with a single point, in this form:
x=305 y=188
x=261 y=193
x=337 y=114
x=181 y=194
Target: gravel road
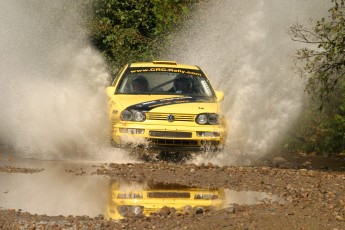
x=313 y=190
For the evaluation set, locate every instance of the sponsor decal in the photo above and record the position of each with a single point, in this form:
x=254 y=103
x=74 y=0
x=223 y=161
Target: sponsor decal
x=171 y=70
x=148 y=105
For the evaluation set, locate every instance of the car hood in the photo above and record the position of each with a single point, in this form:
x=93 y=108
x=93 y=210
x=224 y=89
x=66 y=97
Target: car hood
x=167 y=104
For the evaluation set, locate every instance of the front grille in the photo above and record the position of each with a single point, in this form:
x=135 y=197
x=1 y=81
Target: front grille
x=173 y=142
x=170 y=134
x=163 y=117
x=168 y=195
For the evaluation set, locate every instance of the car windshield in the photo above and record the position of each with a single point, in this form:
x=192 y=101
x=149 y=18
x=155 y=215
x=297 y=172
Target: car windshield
x=168 y=82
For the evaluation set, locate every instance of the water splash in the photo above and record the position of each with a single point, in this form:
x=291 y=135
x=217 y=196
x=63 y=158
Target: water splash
x=52 y=82
x=246 y=50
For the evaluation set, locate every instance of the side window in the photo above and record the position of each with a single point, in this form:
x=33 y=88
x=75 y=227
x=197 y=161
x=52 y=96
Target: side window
x=117 y=75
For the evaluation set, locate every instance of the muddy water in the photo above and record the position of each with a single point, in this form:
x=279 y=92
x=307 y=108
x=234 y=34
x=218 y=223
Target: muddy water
x=70 y=188
x=62 y=188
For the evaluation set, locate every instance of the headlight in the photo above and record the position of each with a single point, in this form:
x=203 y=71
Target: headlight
x=129 y=210
x=213 y=119
x=201 y=119
x=139 y=116
x=124 y=210
x=207 y=118
x=137 y=210
x=132 y=115
x=126 y=115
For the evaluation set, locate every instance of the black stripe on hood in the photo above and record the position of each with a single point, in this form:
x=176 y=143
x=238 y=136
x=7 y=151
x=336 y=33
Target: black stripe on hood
x=148 y=105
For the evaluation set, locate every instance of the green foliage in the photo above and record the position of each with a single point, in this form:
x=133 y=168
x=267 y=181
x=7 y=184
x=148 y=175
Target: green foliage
x=323 y=131
x=325 y=61
x=133 y=30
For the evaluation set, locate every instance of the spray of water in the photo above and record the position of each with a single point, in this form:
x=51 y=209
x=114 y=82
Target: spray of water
x=51 y=82
x=245 y=48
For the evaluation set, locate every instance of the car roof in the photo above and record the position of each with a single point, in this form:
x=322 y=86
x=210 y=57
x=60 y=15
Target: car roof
x=166 y=64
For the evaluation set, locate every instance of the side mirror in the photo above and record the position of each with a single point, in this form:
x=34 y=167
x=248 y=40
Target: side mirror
x=110 y=91
x=220 y=95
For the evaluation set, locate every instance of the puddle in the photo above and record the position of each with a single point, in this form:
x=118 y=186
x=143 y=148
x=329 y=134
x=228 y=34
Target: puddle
x=70 y=188
x=130 y=199
x=62 y=188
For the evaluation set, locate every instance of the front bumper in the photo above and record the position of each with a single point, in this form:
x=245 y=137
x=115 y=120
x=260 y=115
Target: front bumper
x=173 y=137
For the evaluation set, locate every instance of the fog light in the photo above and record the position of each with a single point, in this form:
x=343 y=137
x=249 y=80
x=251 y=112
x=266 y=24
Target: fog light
x=205 y=197
x=140 y=131
x=123 y=130
x=200 y=134
x=129 y=195
x=131 y=131
x=208 y=134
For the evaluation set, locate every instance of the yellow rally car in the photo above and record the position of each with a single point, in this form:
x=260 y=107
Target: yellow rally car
x=129 y=202
x=167 y=106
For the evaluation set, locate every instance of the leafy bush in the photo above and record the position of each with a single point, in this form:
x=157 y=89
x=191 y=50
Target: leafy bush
x=323 y=131
x=133 y=30
x=324 y=63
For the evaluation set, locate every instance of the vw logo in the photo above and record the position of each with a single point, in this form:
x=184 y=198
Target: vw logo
x=170 y=118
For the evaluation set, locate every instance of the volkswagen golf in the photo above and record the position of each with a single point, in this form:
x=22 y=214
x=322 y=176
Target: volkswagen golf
x=165 y=105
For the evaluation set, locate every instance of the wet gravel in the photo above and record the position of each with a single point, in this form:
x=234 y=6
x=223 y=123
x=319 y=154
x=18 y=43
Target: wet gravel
x=11 y=169
x=314 y=194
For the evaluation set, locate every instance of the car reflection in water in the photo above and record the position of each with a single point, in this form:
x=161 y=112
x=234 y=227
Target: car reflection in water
x=134 y=200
